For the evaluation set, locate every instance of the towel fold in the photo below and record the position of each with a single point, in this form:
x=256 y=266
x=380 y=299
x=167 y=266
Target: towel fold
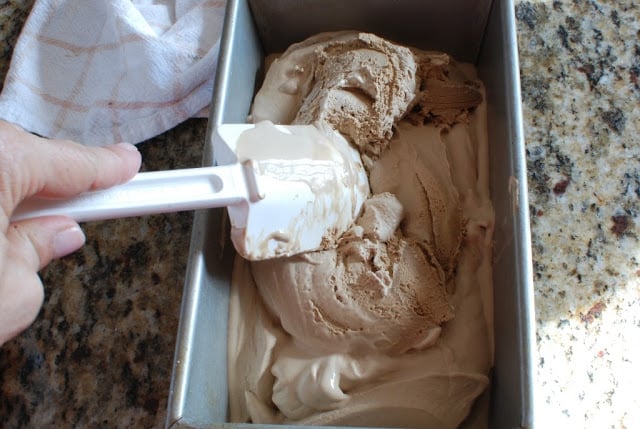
x=105 y=71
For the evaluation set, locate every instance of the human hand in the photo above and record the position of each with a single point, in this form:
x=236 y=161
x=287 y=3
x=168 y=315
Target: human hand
x=29 y=166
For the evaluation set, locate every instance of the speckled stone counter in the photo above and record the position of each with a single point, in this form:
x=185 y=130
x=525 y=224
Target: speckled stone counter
x=580 y=65
x=101 y=351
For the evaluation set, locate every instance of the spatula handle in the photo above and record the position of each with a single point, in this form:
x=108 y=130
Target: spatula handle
x=151 y=193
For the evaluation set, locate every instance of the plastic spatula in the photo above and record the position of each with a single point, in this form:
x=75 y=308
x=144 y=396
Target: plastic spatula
x=155 y=192
x=271 y=215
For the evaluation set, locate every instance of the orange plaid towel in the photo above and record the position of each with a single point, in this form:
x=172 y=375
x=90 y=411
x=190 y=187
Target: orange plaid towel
x=104 y=71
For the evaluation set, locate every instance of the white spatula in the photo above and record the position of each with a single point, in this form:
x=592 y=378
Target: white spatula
x=276 y=207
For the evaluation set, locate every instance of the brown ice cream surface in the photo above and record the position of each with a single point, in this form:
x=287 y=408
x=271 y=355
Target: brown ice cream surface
x=392 y=325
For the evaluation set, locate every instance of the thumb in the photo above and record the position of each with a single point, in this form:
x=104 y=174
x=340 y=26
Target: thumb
x=30 y=245
x=36 y=242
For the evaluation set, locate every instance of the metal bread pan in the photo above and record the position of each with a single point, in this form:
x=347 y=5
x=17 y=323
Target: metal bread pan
x=479 y=31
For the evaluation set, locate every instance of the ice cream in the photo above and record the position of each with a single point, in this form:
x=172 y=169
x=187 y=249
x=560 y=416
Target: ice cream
x=391 y=324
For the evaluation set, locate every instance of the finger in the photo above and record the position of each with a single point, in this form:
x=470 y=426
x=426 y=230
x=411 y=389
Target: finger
x=59 y=168
x=75 y=168
x=21 y=296
x=36 y=242
x=27 y=247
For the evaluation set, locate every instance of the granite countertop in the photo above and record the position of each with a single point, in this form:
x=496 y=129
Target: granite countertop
x=101 y=351
x=580 y=67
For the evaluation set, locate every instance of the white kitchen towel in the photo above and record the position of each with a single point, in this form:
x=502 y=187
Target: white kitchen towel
x=105 y=71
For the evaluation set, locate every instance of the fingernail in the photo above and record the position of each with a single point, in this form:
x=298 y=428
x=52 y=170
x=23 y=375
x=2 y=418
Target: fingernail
x=68 y=241
x=127 y=146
